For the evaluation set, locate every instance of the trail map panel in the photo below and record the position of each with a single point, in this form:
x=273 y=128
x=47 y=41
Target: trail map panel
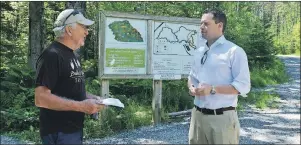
x=125 y=46
x=174 y=43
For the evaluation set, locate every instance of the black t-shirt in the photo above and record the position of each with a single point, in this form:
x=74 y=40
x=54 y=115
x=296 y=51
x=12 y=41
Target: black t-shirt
x=59 y=70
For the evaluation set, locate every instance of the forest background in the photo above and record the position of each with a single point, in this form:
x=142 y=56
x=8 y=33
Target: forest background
x=262 y=29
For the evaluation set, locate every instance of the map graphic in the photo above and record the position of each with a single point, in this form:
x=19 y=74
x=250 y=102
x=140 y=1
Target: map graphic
x=125 y=32
x=177 y=39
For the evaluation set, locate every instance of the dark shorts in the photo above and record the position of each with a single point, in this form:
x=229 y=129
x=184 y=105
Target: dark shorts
x=63 y=138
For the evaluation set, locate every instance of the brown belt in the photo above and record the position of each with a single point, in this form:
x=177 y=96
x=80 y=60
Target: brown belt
x=214 y=111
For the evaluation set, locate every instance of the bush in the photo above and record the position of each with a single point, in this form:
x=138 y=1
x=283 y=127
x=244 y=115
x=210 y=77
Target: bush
x=137 y=96
x=114 y=119
x=269 y=74
x=175 y=96
x=259 y=100
x=18 y=111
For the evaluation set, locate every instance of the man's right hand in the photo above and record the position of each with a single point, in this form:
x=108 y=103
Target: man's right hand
x=90 y=106
x=192 y=91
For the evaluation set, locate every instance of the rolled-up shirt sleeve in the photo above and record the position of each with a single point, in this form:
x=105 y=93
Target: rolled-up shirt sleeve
x=240 y=71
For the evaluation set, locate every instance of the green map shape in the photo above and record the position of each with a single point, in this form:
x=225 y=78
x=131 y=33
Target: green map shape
x=125 y=32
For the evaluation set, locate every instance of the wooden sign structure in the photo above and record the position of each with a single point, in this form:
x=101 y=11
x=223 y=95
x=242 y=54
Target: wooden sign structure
x=134 y=46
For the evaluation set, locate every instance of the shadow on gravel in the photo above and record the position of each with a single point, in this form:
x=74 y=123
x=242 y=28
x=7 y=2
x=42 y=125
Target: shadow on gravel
x=272 y=126
x=242 y=140
x=268 y=124
x=292 y=65
x=162 y=134
x=269 y=128
x=291 y=90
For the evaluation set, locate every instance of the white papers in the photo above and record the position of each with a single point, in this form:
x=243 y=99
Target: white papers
x=112 y=102
x=244 y=95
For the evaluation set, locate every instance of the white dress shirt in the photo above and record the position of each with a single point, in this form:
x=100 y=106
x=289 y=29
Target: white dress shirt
x=226 y=64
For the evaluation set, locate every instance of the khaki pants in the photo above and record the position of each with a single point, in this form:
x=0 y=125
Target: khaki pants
x=214 y=129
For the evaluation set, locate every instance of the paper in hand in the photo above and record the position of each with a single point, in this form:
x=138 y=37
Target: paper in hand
x=112 y=102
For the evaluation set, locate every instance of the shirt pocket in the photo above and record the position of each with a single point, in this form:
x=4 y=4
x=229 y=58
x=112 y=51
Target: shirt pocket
x=222 y=68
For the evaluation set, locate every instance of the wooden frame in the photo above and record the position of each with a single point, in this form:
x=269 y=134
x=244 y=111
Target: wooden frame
x=157 y=84
x=150 y=19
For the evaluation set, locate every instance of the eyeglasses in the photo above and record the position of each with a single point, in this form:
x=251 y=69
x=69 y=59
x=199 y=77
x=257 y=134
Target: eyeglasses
x=204 y=58
x=75 y=12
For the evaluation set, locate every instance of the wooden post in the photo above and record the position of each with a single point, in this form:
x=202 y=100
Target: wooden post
x=149 y=47
x=105 y=88
x=105 y=94
x=157 y=101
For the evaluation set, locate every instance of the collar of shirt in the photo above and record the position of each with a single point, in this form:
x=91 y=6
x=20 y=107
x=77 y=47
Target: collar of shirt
x=220 y=40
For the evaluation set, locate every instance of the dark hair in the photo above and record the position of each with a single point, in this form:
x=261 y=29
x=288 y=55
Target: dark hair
x=218 y=16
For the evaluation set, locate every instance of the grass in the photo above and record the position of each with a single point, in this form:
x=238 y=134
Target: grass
x=259 y=100
x=297 y=53
x=114 y=120
x=261 y=76
x=31 y=135
x=275 y=73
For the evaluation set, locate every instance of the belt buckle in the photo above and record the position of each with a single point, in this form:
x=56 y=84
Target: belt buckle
x=209 y=112
x=218 y=112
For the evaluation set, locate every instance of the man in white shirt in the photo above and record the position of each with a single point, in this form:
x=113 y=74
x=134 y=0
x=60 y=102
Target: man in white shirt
x=219 y=73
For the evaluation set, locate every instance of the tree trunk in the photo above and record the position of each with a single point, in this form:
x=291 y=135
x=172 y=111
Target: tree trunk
x=80 y=6
x=278 y=25
x=96 y=35
x=36 y=12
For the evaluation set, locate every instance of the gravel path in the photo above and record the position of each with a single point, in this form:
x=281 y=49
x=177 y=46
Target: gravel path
x=280 y=125
x=267 y=126
x=10 y=140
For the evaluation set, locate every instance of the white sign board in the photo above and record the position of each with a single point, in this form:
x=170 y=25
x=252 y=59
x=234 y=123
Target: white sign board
x=173 y=47
x=125 y=46
x=145 y=46
x=167 y=77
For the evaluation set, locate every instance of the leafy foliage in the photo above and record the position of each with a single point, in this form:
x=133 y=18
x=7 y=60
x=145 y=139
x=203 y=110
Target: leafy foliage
x=262 y=29
x=269 y=74
x=260 y=100
x=17 y=99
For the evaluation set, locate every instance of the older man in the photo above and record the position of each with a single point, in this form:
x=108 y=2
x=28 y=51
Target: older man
x=60 y=85
x=219 y=73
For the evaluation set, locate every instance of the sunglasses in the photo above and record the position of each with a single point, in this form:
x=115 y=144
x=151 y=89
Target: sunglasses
x=75 y=12
x=204 y=58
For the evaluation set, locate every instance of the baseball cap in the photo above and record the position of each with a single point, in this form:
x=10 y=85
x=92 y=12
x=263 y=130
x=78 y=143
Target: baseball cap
x=70 y=16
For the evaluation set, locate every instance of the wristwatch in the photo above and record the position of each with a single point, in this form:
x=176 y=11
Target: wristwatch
x=212 y=91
